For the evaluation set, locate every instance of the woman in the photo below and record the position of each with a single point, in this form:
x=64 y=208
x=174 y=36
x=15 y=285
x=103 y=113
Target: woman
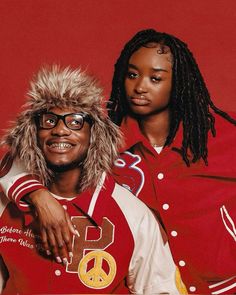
x=179 y=158
x=175 y=150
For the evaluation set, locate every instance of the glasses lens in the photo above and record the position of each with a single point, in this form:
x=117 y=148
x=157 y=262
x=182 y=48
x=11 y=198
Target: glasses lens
x=74 y=121
x=48 y=121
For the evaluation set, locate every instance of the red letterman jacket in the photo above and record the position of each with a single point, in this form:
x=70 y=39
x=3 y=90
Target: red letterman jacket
x=112 y=253
x=196 y=204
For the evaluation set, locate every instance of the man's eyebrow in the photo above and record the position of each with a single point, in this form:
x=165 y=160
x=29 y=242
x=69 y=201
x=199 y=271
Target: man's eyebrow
x=132 y=66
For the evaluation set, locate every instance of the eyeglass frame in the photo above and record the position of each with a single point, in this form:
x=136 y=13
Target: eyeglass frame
x=85 y=117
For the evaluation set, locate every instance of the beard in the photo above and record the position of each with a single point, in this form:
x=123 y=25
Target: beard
x=64 y=167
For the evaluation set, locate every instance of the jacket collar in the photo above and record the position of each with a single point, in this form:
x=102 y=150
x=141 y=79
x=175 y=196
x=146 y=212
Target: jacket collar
x=92 y=203
x=133 y=135
x=97 y=202
x=131 y=132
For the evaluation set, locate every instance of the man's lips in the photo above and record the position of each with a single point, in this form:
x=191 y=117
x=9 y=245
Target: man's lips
x=59 y=146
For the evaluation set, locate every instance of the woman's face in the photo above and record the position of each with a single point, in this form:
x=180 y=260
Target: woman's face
x=148 y=80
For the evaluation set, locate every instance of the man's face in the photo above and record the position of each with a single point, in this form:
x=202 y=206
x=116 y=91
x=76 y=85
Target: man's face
x=63 y=148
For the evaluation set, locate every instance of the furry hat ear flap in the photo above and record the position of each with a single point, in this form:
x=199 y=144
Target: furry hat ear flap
x=65 y=88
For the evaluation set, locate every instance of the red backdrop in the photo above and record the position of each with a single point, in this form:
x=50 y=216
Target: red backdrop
x=91 y=33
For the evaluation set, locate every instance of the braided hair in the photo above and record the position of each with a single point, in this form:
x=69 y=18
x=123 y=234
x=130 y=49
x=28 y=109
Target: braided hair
x=190 y=102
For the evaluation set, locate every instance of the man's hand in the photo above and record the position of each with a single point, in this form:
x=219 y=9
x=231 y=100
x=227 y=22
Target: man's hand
x=55 y=225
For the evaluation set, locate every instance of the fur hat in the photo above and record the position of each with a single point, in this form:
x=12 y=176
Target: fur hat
x=65 y=88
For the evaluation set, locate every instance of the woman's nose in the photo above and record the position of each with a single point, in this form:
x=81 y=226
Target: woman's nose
x=141 y=86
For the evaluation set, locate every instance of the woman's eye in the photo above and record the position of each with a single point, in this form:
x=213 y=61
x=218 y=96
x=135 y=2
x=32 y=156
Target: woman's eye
x=131 y=75
x=156 y=79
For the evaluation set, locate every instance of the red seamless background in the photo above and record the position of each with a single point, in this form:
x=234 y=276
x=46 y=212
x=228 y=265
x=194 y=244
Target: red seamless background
x=91 y=34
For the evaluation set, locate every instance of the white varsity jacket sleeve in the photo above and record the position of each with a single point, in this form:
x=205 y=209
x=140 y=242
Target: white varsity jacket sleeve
x=16 y=183
x=152 y=269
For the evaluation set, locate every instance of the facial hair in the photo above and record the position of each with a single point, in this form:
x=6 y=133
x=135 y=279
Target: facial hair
x=64 y=167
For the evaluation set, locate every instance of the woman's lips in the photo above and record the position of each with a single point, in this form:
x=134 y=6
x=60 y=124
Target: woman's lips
x=139 y=101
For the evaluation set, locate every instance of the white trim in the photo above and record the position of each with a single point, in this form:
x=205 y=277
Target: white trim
x=96 y=194
x=225 y=214
x=224 y=289
x=158 y=149
x=24 y=188
x=220 y=283
x=7 y=184
x=21 y=184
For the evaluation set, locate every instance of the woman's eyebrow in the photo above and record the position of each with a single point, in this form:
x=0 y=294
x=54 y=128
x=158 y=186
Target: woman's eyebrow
x=158 y=69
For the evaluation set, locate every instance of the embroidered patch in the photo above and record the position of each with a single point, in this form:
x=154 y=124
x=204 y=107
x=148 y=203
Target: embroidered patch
x=133 y=179
x=91 y=269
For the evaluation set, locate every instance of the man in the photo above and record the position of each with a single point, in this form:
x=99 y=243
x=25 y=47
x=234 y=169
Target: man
x=65 y=138
x=176 y=141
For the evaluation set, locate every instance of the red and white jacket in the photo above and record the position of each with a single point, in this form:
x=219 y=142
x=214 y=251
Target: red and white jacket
x=196 y=204
x=123 y=253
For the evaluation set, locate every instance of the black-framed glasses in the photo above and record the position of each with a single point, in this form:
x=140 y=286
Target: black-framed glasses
x=73 y=121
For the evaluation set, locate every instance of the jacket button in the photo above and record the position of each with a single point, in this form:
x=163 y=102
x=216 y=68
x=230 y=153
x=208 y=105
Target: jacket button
x=160 y=176
x=192 y=289
x=174 y=233
x=57 y=272
x=165 y=206
x=182 y=263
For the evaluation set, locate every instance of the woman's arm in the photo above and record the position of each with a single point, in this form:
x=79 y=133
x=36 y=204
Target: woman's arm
x=25 y=190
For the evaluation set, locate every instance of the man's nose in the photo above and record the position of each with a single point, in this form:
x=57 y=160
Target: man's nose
x=61 y=129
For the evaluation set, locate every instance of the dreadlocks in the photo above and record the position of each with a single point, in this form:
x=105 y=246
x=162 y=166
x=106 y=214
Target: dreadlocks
x=190 y=102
